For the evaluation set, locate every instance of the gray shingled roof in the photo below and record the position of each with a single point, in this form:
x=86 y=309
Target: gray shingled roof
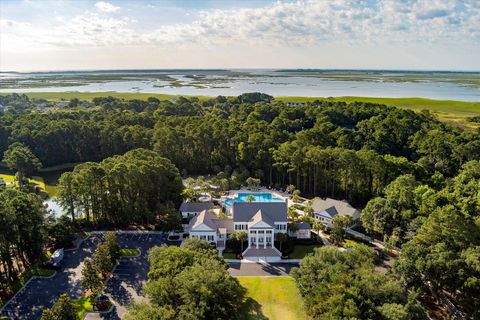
x=204 y=218
x=227 y=224
x=334 y=207
x=195 y=206
x=303 y=226
x=212 y=221
x=244 y=211
x=258 y=217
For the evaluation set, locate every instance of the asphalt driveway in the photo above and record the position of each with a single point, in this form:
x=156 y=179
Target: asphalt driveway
x=238 y=269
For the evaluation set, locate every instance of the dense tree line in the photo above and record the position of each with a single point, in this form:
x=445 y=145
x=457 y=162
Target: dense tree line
x=137 y=187
x=418 y=178
x=26 y=230
x=324 y=148
x=189 y=282
x=344 y=285
x=21 y=223
x=437 y=227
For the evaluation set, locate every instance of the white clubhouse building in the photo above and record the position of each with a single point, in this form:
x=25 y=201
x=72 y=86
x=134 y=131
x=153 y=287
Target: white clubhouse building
x=262 y=221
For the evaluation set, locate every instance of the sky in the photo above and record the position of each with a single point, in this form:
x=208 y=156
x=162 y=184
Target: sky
x=38 y=35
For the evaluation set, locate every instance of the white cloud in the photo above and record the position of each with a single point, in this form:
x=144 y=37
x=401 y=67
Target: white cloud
x=106 y=6
x=301 y=23
x=316 y=22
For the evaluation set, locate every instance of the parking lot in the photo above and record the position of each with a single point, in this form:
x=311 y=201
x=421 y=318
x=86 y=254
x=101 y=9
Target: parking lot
x=126 y=283
x=124 y=286
x=131 y=273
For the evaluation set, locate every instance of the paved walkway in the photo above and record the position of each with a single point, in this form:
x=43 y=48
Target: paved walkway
x=238 y=269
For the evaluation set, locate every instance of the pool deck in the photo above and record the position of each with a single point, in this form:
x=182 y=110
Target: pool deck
x=275 y=193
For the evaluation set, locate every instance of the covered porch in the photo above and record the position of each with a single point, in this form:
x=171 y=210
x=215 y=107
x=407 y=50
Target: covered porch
x=260 y=238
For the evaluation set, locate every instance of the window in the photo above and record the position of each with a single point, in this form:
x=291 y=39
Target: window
x=210 y=238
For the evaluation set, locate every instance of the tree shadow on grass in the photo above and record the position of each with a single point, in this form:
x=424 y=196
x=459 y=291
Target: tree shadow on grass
x=251 y=310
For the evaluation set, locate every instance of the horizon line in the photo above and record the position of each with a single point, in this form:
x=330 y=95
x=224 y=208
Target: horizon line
x=243 y=69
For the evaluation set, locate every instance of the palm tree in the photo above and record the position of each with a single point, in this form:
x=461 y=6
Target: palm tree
x=317 y=226
x=250 y=198
x=240 y=236
x=282 y=238
x=293 y=214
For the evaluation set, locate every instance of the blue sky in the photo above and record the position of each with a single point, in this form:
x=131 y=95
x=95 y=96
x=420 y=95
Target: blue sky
x=391 y=34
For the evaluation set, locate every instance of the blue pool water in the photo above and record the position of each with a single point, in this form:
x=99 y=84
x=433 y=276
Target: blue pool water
x=259 y=197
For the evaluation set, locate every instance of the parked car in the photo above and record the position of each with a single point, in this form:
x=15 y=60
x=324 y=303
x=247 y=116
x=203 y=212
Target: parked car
x=55 y=259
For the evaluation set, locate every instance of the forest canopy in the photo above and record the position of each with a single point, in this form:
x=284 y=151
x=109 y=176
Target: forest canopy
x=324 y=148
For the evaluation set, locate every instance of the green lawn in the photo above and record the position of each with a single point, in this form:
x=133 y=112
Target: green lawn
x=274 y=298
x=301 y=250
x=129 y=252
x=83 y=305
x=229 y=255
x=48 y=181
x=453 y=112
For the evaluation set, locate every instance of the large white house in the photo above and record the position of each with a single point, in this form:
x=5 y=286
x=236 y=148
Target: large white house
x=326 y=209
x=262 y=221
x=207 y=226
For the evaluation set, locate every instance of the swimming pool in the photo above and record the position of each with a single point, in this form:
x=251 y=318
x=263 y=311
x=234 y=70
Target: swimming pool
x=259 y=197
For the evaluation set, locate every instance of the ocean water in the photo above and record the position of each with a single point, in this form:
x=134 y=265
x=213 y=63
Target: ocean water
x=441 y=87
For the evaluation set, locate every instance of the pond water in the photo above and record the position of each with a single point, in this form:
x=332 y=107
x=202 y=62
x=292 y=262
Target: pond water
x=54 y=207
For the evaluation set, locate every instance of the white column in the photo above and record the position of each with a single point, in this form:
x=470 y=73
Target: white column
x=257 y=238
x=264 y=239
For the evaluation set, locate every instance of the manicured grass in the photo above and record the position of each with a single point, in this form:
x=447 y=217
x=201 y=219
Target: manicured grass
x=453 y=112
x=229 y=255
x=129 y=252
x=48 y=183
x=83 y=305
x=274 y=298
x=301 y=250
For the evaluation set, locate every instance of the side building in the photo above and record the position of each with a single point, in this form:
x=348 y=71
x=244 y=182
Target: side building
x=326 y=209
x=193 y=209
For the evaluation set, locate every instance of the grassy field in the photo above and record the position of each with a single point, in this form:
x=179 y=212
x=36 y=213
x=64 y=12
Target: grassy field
x=88 y=96
x=450 y=111
x=274 y=298
x=48 y=182
x=301 y=250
